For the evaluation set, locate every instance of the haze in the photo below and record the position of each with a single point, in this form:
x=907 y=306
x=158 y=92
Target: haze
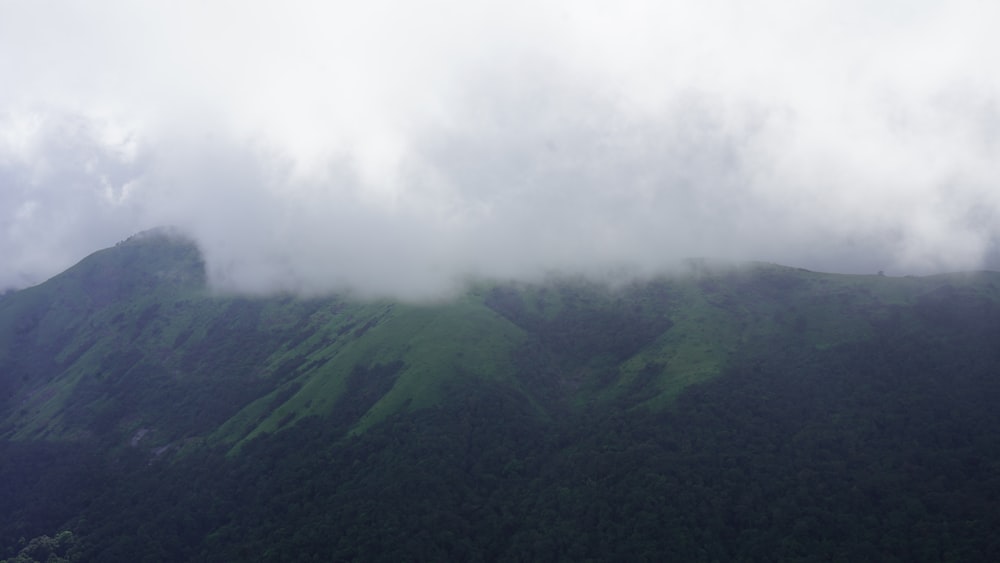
x=399 y=148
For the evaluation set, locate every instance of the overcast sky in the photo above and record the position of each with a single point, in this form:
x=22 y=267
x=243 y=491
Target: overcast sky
x=398 y=147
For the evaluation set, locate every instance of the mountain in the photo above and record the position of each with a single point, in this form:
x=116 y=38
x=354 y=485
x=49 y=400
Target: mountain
x=755 y=412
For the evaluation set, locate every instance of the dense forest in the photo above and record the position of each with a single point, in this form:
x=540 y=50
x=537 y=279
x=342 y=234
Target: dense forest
x=801 y=448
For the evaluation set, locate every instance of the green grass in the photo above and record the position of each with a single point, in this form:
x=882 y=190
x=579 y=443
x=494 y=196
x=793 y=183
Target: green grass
x=435 y=343
x=69 y=347
x=439 y=343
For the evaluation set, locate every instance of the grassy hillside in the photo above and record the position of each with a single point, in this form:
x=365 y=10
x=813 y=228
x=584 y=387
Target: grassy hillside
x=724 y=413
x=130 y=346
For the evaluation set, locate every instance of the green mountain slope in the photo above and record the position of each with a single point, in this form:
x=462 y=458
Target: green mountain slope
x=130 y=342
x=130 y=346
x=527 y=412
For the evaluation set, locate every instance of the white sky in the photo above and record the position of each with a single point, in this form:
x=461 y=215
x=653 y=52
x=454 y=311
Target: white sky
x=396 y=147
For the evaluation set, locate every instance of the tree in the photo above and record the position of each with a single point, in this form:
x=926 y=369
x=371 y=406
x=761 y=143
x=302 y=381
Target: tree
x=43 y=549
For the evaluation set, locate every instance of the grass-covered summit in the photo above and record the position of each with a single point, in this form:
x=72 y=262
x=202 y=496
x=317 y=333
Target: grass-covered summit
x=724 y=412
x=130 y=346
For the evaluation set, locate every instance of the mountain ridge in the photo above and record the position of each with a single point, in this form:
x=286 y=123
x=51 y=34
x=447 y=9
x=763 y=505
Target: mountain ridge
x=144 y=307
x=754 y=413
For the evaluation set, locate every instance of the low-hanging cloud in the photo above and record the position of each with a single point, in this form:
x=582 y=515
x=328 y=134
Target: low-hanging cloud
x=395 y=149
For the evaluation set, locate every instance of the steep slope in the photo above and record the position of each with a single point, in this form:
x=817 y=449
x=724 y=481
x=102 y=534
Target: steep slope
x=726 y=413
x=130 y=346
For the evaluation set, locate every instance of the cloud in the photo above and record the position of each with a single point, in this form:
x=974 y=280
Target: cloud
x=392 y=148
x=64 y=187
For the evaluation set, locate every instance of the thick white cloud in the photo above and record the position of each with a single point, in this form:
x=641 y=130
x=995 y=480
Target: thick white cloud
x=398 y=147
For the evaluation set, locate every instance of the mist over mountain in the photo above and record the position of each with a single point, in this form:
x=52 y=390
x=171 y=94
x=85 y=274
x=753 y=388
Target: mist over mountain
x=390 y=150
x=753 y=413
x=519 y=281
